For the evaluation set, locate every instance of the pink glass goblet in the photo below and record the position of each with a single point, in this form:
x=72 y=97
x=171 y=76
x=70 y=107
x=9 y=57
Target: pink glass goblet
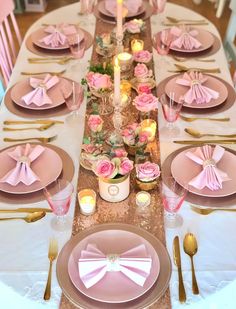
x=171 y=111
x=163 y=41
x=173 y=196
x=58 y=195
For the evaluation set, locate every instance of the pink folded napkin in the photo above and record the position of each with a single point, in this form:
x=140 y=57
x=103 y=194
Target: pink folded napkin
x=197 y=92
x=39 y=96
x=134 y=263
x=24 y=156
x=185 y=38
x=131 y=5
x=55 y=38
x=210 y=176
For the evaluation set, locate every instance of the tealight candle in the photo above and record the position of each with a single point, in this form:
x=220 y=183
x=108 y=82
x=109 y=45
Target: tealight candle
x=87 y=201
x=143 y=198
x=125 y=61
x=125 y=87
x=149 y=126
x=137 y=45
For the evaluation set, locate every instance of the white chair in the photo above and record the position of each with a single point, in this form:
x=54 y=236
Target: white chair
x=229 y=46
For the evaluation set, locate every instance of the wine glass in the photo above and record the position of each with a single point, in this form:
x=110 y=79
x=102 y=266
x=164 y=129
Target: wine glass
x=58 y=195
x=73 y=102
x=173 y=196
x=171 y=111
x=162 y=42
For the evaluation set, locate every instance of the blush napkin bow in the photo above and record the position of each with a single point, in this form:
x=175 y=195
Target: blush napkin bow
x=197 y=92
x=131 y=5
x=39 y=96
x=24 y=156
x=211 y=176
x=134 y=264
x=185 y=38
x=55 y=38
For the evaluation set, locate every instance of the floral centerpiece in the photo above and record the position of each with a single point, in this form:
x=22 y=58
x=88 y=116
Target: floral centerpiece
x=134 y=139
x=90 y=153
x=134 y=26
x=142 y=56
x=145 y=102
x=147 y=175
x=105 y=45
x=142 y=73
x=99 y=84
x=113 y=177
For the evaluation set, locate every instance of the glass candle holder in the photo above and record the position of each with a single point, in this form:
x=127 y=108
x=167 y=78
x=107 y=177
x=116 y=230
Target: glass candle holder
x=87 y=201
x=125 y=61
x=137 y=45
x=125 y=87
x=149 y=126
x=143 y=199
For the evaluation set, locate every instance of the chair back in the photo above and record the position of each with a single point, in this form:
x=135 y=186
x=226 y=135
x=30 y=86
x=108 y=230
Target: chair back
x=9 y=34
x=231 y=33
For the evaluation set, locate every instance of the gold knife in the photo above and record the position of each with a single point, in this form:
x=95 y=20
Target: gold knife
x=177 y=261
x=208 y=141
x=38 y=121
x=31 y=210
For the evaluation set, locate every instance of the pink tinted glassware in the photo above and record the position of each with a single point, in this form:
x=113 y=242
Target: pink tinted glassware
x=163 y=41
x=171 y=111
x=73 y=102
x=86 y=6
x=58 y=195
x=158 y=6
x=173 y=196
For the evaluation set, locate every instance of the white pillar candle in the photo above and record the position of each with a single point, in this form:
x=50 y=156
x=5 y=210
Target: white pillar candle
x=116 y=82
x=119 y=16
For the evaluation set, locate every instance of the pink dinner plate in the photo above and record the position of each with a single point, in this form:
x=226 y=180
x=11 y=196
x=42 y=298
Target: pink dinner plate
x=184 y=169
x=47 y=167
x=212 y=82
x=23 y=87
x=104 y=11
x=114 y=287
x=204 y=37
x=40 y=34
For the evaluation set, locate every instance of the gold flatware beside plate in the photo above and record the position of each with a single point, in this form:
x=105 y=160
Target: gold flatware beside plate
x=197 y=134
x=190 y=119
x=52 y=254
x=186 y=23
x=25 y=210
x=39 y=121
x=182 y=68
x=177 y=261
x=209 y=141
x=41 y=128
x=182 y=59
x=207 y=211
x=40 y=139
x=45 y=72
x=31 y=217
x=180 y=20
x=190 y=248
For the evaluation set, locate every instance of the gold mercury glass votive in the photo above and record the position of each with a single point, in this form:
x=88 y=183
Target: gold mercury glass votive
x=149 y=126
x=125 y=61
x=143 y=199
x=125 y=87
x=87 y=201
x=146 y=185
x=137 y=45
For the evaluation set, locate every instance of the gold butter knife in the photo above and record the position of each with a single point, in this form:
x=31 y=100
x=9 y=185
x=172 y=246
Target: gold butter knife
x=38 y=121
x=177 y=261
x=208 y=141
x=31 y=210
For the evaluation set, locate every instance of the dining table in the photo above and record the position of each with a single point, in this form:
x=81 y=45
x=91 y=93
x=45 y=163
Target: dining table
x=24 y=247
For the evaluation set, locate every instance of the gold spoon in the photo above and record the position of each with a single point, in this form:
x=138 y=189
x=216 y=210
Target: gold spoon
x=197 y=134
x=176 y=20
x=190 y=119
x=182 y=59
x=190 y=248
x=41 y=128
x=39 y=73
x=31 y=217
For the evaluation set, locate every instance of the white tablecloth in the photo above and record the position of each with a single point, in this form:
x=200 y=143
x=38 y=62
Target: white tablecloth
x=24 y=247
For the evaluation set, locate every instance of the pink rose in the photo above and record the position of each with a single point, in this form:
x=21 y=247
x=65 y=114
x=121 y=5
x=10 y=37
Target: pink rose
x=143 y=88
x=145 y=102
x=105 y=168
x=147 y=171
x=92 y=149
x=142 y=56
x=143 y=137
x=134 y=26
x=95 y=123
x=141 y=71
x=120 y=152
x=126 y=166
x=98 y=81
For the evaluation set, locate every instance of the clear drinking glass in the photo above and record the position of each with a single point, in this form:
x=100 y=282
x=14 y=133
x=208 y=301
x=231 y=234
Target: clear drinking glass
x=86 y=6
x=73 y=103
x=58 y=195
x=171 y=111
x=173 y=196
x=163 y=42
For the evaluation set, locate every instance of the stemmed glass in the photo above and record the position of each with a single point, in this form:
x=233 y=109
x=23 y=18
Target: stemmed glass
x=162 y=42
x=173 y=196
x=58 y=195
x=171 y=111
x=73 y=102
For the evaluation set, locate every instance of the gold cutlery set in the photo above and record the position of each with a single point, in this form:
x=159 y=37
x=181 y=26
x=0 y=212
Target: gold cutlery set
x=183 y=68
x=43 y=126
x=32 y=214
x=190 y=248
x=171 y=21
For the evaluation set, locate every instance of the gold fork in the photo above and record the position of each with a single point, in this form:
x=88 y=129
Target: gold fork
x=38 y=121
x=182 y=59
x=46 y=72
x=40 y=139
x=183 y=68
x=41 y=128
x=207 y=211
x=52 y=254
x=60 y=61
x=176 y=20
x=190 y=119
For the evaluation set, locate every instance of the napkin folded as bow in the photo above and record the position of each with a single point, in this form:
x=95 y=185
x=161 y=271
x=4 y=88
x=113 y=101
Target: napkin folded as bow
x=55 y=38
x=197 y=92
x=24 y=156
x=39 y=96
x=185 y=38
x=210 y=176
x=134 y=263
x=131 y=5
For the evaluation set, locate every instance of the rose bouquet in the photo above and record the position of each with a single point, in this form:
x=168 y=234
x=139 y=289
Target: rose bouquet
x=99 y=84
x=146 y=175
x=141 y=72
x=142 y=56
x=134 y=26
x=91 y=153
x=145 y=102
